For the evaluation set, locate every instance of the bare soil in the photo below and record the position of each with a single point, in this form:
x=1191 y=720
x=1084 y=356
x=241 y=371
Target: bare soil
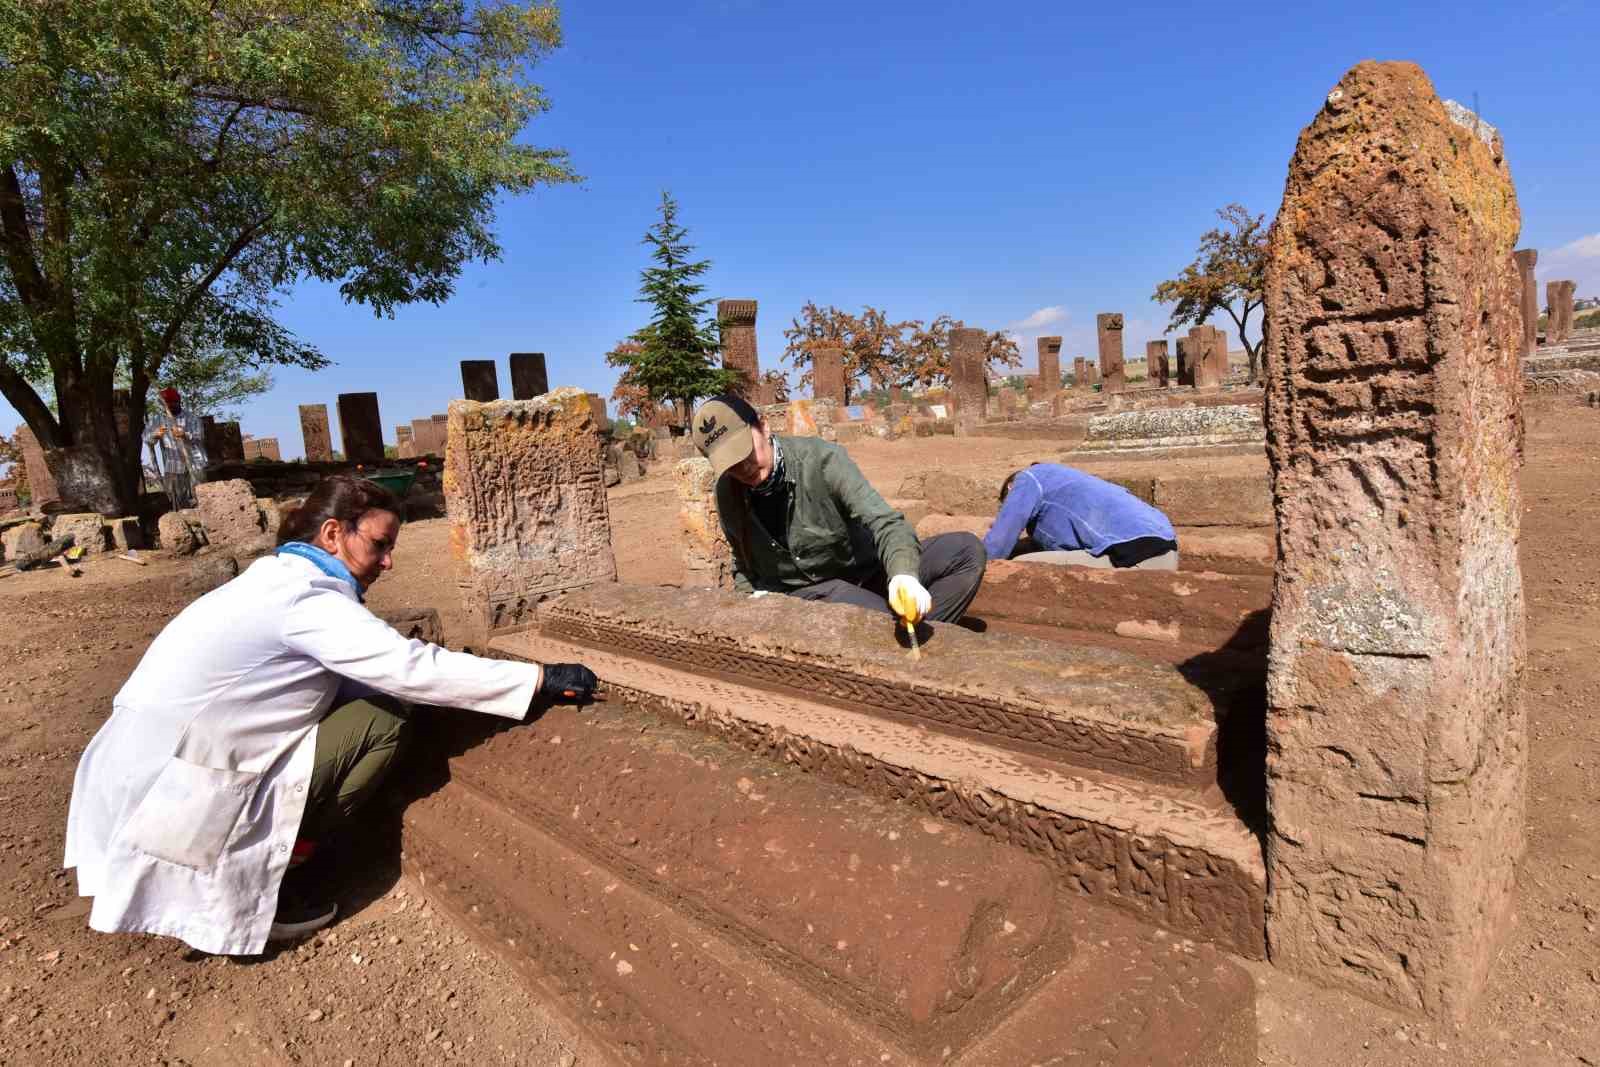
x=395 y=982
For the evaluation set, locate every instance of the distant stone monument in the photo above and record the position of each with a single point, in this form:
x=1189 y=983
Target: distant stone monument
x=314 y=433
x=526 y=499
x=404 y=445
x=479 y=381
x=1527 y=259
x=528 y=375
x=827 y=372
x=1080 y=372
x=969 y=380
x=1155 y=362
x=737 y=319
x=1050 y=363
x=1558 y=325
x=1393 y=401
x=360 y=427
x=1108 y=328
x=41 y=483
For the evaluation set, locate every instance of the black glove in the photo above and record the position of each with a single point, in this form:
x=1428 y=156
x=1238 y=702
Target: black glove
x=568 y=683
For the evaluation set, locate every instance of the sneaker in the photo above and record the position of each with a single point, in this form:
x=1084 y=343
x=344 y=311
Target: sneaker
x=299 y=914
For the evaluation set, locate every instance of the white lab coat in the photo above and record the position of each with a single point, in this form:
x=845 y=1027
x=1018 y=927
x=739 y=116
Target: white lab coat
x=188 y=800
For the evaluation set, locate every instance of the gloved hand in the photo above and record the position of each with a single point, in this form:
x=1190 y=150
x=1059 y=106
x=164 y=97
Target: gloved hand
x=908 y=599
x=568 y=683
x=760 y=592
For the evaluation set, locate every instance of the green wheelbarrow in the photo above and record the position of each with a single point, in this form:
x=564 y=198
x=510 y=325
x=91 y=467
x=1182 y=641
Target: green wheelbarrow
x=397 y=481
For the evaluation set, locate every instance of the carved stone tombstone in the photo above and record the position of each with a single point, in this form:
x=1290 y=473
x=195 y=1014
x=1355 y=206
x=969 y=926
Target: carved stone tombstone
x=528 y=375
x=827 y=373
x=1185 y=350
x=360 y=427
x=1155 y=362
x=1108 y=328
x=479 y=380
x=738 y=323
x=969 y=382
x=314 y=433
x=1050 y=363
x=526 y=499
x=1395 y=725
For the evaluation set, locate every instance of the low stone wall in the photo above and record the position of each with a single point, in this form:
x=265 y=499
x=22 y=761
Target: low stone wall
x=1186 y=427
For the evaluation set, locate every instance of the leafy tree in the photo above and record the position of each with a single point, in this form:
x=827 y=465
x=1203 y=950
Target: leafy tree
x=671 y=359
x=171 y=165
x=870 y=341
x=924 y=355
x=1229 y=274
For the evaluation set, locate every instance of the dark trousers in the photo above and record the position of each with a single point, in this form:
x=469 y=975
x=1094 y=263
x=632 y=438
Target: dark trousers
x=951 y=571
x=357 y=743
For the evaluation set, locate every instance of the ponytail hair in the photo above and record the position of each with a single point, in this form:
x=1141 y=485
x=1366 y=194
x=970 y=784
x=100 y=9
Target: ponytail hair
x=338 y=496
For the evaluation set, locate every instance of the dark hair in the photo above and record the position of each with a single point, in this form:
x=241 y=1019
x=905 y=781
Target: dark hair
x=1005 y=486
x=338 y=496
x=741 y=407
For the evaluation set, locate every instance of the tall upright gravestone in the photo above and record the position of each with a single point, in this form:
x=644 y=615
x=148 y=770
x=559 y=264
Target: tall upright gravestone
x=526 y=498
x=528 y=375
x=479 y=380
x=968 y=380
x=1394 y=421
x=827 y=373
x=1050 y=364
x=1527 y=259
x=360 y=428
x=1558 y=324
x=1155 y=362
x=1108 y=328
x=737 y=321
x=314 y=433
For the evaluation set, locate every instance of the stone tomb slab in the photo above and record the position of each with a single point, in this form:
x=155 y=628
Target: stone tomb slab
x=1089 y=707
x=525 y=495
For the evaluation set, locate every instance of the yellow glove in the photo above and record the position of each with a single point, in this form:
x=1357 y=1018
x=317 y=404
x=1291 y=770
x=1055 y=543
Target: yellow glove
x=908 y=599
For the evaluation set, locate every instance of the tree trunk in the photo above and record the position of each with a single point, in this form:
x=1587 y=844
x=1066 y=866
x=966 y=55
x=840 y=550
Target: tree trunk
x=88 y=421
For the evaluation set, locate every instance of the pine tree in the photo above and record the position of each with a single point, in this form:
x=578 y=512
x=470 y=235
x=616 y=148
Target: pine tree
x=671 y=359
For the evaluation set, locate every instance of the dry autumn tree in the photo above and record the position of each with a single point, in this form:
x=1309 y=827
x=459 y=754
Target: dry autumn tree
x=1228 y=274
x=924 y=353
x=870 y=342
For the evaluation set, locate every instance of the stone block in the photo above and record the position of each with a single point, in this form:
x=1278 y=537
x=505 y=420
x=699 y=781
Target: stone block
x=969 y=379
x=1049 y=349
x=827 y=373
x=229 y=513
x=416 y=624
x=528 y=375
x=177 y=536
x=87 y=530
x=1527 y=259
x=25 y=539
x=1108 y=329
x=707 y=559
x=1179 y=427
x=126 y=534
x=1395 y=721
x=525 y=494
x=802 y=418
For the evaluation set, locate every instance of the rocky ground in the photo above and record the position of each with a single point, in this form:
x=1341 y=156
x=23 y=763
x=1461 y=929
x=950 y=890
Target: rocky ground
x=393 y=982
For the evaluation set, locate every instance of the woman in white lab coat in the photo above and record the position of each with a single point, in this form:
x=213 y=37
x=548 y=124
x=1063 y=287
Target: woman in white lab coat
x=256 y=723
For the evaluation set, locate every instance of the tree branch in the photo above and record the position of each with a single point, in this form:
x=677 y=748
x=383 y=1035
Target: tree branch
x=35 y=412
x=187 y=305
x=32 y=287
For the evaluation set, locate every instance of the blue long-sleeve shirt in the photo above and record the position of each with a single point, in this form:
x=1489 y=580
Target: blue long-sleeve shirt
x=1064 y=509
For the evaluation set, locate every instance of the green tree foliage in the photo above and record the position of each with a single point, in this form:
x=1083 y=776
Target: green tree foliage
x=1229 y=273
x=671 y=358
x=168 y=166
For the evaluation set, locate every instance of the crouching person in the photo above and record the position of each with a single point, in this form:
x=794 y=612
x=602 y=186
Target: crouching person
x=1077 y=519
x=257 y=724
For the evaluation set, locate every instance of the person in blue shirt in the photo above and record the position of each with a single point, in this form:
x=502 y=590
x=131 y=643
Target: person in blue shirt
x=1076 y=518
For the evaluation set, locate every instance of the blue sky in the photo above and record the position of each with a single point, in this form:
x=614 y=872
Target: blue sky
x=1019 y=166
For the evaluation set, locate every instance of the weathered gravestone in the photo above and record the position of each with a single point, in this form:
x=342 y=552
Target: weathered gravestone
x=528 y=375
x=526 y=500
x=1397 y=756
x=737 y=319
x=707 y=559
x=1108 y=328
x=360 y=427
x=827 y=373
x=1155 y=362
x=314 y=433
x=969 y=384
x=1050 y=363
x=479 y=380
x=1527 y=259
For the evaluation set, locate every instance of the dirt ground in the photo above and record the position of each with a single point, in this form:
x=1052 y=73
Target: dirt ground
x=394 y=983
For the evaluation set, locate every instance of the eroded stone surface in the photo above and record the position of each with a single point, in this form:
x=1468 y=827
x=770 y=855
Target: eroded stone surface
x=1397 y=752
x=525 y=495
x=827 y=373
x=1108 y=329
x=1183 y=427
x=707 y=559
x=229 y=512
x=360 y=427
x=1093 y=707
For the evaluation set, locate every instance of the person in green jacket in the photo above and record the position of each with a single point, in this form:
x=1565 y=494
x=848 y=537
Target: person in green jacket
x=803 y=521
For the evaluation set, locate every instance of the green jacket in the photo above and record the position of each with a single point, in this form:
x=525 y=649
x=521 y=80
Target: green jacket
x=839 y=527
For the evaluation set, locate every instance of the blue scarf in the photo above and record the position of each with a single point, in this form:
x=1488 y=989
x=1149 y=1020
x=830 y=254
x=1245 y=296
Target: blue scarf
x=325 y=562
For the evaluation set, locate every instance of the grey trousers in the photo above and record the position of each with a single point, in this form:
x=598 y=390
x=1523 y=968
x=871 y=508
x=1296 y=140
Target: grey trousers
x=1167 y=561
x=951 y=571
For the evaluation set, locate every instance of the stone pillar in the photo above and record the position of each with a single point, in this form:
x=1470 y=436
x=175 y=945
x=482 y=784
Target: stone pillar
x=526 y=498
x=1185 y=360
x=707 y=559
x=1080 y=372
x=969 y=384
x=267 y=448
x=230 y=443
x=1527 y=259
x=528 y=376
x=41 y=483
x=1394 y=422
x=1050 y=363
x=1155 y=362
x=405 y=446
x=422 y=443
x=1108 y=326
x=360 y=427
x=479 y=381
x=314 y=433
x=827 y=372
x=737 y=320
x=1205 y=342
x=1558 y=325
x=597 y=411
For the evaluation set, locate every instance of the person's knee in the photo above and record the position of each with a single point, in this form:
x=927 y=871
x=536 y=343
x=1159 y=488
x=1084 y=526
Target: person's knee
x=967 y=551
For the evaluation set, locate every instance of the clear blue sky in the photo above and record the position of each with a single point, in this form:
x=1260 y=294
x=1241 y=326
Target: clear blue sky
x=1018 y=166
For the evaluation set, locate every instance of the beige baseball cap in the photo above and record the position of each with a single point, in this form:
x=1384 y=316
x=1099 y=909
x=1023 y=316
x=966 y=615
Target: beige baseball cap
x=722 y=436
